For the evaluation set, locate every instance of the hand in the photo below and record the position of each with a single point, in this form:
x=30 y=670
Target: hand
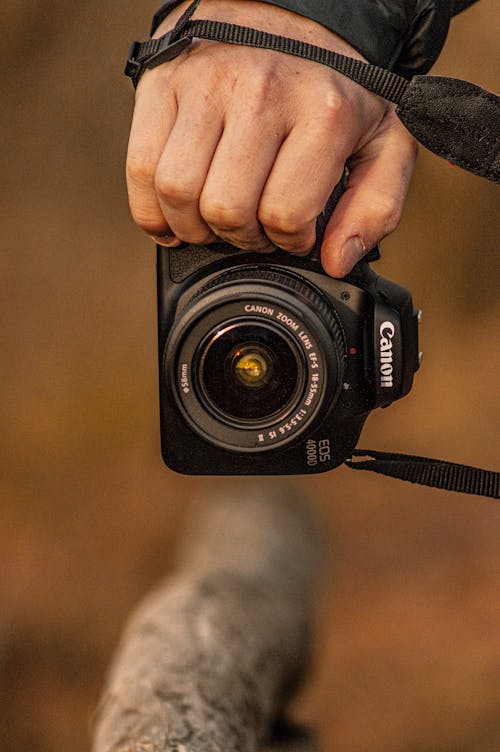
x=247 y=144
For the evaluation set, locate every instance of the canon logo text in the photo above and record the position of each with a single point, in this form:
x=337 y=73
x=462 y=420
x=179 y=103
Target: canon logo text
x=387 y=332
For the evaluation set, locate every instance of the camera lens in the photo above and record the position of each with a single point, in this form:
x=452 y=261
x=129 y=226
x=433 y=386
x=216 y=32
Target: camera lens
x=255 y=359
x=249 y=372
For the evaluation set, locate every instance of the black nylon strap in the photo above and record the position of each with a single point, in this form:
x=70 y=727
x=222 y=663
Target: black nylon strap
x=382 y=82
x=428 y=472
x=378 y=80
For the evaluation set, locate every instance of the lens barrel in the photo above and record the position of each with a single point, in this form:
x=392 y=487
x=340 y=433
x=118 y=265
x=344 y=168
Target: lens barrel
x=255 y=358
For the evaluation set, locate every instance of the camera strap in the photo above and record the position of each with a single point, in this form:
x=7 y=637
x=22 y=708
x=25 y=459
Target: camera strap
x=425 y=471
x=455 y=119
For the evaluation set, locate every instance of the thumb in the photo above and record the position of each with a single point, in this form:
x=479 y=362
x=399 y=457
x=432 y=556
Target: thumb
x=371 y=207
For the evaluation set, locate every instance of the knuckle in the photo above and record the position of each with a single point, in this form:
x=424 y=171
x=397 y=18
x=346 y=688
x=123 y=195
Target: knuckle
x=173 y=190
x=389 y=210
x=254 y=243
x=262 y=85
x=413 y=149
x=224 y=217
x=140 y=170
x=392 y=211
x=304 y=248
x=299 y=247
x=282 y=220
x=335 y=106
x=147 y=222
x=195 y=234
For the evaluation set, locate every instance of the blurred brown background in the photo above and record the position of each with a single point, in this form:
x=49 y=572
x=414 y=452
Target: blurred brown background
x=407 y=651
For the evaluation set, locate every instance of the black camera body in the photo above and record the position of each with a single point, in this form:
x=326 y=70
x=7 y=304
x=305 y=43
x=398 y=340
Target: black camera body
x=270 y=367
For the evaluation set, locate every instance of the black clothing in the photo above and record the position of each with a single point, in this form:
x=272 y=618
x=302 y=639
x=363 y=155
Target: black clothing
x=402 y=35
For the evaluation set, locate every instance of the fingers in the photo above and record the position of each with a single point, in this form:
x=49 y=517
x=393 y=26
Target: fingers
x=240 y=166
x=251 y=156
x=183 y=167
x=258 y=195
x=371 y=207
x=268 y=181
x=236 y=158
x=309 y=165
x=154 y=117
x=261 y=192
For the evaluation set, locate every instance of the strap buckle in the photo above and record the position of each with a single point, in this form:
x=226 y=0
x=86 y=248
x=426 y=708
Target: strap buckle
x=143 y=55
x=133 y=66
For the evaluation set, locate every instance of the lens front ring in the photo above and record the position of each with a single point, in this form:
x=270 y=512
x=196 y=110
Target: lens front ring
x=182 y=357
x=272 y=297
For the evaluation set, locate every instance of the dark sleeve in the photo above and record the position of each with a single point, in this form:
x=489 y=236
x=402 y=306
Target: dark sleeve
x=460 y=5
x=402 y=35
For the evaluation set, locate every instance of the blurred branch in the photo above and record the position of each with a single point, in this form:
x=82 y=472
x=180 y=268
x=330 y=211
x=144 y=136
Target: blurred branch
x=208 y=660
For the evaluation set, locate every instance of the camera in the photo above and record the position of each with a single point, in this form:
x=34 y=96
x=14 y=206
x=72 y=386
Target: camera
x=270 y=367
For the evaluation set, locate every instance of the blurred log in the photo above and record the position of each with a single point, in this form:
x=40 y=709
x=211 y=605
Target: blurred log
x=208 y=660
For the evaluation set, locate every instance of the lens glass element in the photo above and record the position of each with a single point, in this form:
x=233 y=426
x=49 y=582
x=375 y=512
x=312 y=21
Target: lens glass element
x=250 y=372
x=252 y=365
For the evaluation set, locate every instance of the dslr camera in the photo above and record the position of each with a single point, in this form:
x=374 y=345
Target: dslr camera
x=270 y=367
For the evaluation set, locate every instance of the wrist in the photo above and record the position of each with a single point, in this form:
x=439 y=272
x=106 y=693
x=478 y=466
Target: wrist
x=263 y=16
